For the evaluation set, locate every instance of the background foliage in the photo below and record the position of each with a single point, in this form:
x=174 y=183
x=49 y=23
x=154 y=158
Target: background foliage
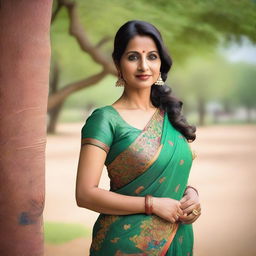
x=194 y=31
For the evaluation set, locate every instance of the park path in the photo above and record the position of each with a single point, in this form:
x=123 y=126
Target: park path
x=224 y=172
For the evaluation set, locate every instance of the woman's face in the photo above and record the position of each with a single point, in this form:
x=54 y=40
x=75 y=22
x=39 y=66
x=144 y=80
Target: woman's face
x=140 y=63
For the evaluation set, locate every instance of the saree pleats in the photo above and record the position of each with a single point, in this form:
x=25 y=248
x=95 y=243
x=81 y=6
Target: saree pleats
x=158 y=162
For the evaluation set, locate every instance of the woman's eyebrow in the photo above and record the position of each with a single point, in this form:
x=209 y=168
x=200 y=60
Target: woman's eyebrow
x=132 y=52
x=139 y=53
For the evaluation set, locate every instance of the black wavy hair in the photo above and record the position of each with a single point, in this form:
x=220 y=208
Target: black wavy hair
x=161 y=96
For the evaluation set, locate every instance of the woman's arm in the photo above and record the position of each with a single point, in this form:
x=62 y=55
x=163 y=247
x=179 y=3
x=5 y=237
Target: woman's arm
x=89 y=195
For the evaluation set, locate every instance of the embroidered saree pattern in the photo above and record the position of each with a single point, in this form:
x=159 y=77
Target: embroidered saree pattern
x=137 y=157
x=156 y=162
x=153 y=235
x=105 y=222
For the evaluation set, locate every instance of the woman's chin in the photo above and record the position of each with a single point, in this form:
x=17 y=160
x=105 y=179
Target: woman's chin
x=142 y=84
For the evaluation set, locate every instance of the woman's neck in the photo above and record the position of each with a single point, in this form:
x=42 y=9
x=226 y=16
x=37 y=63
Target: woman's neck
x=139 y=99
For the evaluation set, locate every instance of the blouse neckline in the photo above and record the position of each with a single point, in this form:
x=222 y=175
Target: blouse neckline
x=121 y=118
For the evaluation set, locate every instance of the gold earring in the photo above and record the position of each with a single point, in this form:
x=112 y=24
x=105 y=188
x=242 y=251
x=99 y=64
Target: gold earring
x=159 y=80
x=120 y=81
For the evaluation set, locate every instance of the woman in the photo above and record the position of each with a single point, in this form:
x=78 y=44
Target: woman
x=143 y=141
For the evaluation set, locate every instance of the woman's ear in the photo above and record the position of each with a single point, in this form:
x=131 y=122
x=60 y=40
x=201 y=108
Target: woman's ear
x=117 y=67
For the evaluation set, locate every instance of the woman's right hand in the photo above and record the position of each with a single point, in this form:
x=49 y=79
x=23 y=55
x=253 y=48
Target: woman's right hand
x=167 y=208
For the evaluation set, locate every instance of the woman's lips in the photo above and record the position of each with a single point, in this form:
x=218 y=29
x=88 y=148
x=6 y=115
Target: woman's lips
x=143 y=77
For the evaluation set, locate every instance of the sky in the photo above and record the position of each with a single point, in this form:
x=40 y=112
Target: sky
x=245 y=52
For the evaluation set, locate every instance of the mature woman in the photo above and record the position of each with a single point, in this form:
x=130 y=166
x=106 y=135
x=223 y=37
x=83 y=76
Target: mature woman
x=142 y=138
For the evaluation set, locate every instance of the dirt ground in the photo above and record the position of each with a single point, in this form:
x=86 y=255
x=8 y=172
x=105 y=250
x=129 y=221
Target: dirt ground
x=224 y=172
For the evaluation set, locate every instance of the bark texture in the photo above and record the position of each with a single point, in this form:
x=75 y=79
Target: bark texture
x=24 y=76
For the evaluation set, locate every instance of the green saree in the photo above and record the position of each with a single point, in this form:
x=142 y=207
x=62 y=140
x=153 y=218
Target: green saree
x=156 y=161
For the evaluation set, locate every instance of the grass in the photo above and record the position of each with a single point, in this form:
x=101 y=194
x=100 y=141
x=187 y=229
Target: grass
x=58 y=233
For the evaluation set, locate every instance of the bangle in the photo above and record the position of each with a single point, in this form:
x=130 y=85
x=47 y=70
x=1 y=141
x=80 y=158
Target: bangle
x=148 y=204
x=192 y=188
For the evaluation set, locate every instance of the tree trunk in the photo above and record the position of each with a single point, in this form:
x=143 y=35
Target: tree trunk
x=54 y=113
x=53 y=116
x=24 y=75
x=201 y=111
x=249 y=114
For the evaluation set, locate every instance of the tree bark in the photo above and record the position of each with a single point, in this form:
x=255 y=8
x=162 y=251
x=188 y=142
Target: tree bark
x=24 y=75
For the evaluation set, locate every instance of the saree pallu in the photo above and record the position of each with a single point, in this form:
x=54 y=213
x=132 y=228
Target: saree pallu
x=156 y=162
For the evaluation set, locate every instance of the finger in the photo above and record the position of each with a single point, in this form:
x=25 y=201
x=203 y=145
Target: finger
x=192 y=217
x=173 y=220
x=186 y=204
x=183 y=217
x=176 y=217
x=180 y=212
x=187 y=221
x=189 y=209
x=184 y=199
x=189 y=217
x=192 y=204
x=198 y=210
x=185 y=214
x=199 y=213
x=193 y=220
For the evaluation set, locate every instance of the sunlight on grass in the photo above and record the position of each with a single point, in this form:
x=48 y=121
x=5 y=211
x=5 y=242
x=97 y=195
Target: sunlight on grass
x=57 y=232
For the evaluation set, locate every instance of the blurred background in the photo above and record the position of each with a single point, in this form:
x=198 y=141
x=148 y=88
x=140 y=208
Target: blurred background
x=213 y=48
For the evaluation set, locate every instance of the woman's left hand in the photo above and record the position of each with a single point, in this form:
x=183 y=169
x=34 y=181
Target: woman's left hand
x=190 y=201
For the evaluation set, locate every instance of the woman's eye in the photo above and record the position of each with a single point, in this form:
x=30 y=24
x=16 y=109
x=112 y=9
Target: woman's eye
x=152 y=56
x=132 y=57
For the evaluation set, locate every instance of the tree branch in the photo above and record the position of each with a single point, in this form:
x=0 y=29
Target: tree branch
x=103 y=41
x=77 y=31
x=62 y=94
x=56 y=11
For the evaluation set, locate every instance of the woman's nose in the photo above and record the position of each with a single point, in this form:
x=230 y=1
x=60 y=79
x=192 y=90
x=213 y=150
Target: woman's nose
x=143 y=65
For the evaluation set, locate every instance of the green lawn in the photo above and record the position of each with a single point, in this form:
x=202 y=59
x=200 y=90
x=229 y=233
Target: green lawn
x=57 y=232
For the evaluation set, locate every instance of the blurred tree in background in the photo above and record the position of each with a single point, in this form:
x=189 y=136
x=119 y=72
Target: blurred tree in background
x=245 y=87
x=204 y=80
x=193 y=31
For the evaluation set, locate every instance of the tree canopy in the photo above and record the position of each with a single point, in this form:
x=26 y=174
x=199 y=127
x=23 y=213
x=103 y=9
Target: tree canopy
x=191 y=29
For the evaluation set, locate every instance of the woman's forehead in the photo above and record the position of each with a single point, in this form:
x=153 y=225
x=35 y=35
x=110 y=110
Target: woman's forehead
x=141 y=44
